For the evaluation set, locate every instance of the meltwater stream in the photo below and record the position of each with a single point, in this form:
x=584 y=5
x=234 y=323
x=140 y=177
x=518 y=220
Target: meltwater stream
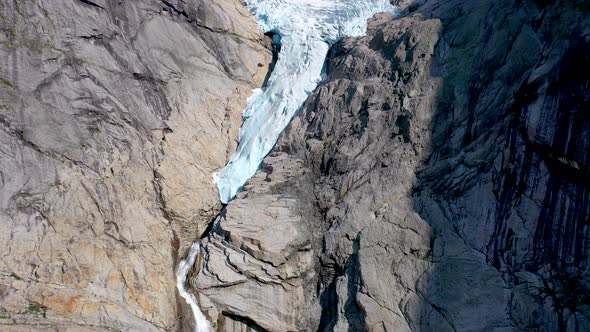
x=201 y=323
x=307 y=29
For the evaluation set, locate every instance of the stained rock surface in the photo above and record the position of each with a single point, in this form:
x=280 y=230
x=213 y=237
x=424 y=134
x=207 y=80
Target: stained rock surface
x=113 y=116
x=437 y=180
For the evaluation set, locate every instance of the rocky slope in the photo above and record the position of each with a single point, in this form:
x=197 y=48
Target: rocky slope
x=437 y=180
x=113 y=116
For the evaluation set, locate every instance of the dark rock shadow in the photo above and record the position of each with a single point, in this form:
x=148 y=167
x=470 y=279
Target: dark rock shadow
x=510 y=208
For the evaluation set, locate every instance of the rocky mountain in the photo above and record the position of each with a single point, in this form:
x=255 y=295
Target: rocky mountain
x=436 y=180
x=113 y=116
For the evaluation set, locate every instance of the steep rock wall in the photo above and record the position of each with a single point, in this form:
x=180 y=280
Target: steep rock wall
x=324 y=236
x=507 y=177
x=437 y=180
x=113 y=116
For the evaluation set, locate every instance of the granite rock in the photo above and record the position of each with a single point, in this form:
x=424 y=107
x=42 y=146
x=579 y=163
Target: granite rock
x=437 y=179
x=113 y=117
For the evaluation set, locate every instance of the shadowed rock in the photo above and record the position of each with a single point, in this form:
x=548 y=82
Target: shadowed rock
x=440 y=173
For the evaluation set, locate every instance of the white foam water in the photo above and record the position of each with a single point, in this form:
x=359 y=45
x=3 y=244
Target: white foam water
x=201 y=322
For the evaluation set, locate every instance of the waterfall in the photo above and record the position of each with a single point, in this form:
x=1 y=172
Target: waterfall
x=201 y=323
x=307 y=29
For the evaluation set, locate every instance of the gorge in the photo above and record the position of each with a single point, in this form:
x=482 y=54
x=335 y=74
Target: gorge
x=427 y=173
x=305 y=30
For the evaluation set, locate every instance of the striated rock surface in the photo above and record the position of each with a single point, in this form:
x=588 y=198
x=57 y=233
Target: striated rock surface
x=329 y=218
x=436 y=181
x=506 y=186
x=113 y=116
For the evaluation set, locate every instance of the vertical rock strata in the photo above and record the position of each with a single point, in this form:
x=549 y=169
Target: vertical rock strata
x=436 y=181
x=113 y=116
x=506 y=186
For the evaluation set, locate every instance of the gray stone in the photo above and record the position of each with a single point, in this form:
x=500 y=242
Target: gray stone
x=113 y=117
x=441 y=172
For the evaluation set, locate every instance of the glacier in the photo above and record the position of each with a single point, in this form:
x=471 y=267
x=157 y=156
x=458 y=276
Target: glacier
x=307 y=29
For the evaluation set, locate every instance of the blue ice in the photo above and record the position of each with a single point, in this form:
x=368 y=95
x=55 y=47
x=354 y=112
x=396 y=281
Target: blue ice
x=307 y=28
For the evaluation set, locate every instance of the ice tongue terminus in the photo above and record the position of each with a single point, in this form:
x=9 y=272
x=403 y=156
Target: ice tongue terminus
x=307 y=28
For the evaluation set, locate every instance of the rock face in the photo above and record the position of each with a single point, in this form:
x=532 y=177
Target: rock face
x=113 y=116
x=329 y=218
x=506 y=185
x=437 y=180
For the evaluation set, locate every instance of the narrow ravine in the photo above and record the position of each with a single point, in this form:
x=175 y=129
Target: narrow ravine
x=305 y=29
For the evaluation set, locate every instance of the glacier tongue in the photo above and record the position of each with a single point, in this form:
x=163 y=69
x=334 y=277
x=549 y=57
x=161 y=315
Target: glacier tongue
x=307 y=29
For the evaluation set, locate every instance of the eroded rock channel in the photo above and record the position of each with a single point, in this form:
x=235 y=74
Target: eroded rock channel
x=304 y=31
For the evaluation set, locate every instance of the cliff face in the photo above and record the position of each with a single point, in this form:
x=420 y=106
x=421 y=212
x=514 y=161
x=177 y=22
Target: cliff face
x=113 y=116
x=437 y=180
x=507 y=179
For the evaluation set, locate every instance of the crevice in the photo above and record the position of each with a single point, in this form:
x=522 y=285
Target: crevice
x=91 y=4
x=354 y=313
x=174 y=9
x=275 y=38
x=214 y=222
x=92 y=37
x=160 y=197
x=328 y=297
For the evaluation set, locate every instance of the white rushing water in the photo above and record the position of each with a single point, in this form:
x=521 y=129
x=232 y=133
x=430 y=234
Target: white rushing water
x=307 y=28
x=201 y=323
